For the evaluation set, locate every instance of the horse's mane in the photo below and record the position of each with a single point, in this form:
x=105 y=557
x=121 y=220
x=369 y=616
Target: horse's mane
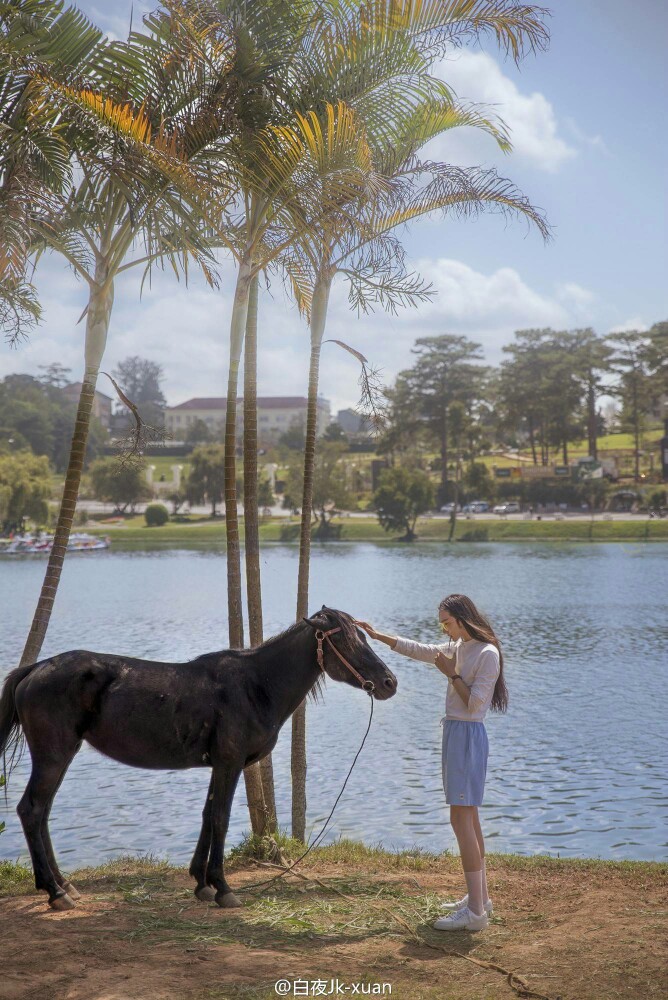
x=347 y=638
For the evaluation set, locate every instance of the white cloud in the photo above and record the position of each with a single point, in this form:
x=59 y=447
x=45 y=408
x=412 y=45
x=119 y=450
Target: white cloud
x=476 y=77
x=186 y=329
x=594 y=141
x=578 y=300
x=634 y=323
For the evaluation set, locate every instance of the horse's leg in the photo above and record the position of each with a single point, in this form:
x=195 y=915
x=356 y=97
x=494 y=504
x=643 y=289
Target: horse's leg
x=41 y=787
x=61 y=879
x=198 y=865
x=225 y=778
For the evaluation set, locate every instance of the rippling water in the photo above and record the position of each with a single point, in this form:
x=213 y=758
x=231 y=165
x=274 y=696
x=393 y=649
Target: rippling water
x=577 y=766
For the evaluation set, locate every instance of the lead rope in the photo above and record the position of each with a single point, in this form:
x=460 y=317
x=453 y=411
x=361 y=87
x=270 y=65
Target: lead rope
x=253 y=885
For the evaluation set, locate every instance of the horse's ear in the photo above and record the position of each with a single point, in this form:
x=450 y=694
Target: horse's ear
x=323 y=608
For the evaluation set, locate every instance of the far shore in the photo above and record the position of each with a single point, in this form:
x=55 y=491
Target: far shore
x=132 y=533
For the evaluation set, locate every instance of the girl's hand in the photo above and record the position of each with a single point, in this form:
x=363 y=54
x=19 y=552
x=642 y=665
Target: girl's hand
x=446 y=664
x=369 y=629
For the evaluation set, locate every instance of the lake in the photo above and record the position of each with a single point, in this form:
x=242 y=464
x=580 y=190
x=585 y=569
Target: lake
x=577 y=766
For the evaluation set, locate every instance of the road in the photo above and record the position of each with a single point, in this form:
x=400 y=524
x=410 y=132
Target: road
x=97 y=509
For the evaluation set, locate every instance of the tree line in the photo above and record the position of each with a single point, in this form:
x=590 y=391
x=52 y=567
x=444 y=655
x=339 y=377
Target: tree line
x=285 y=137
x=544 y=395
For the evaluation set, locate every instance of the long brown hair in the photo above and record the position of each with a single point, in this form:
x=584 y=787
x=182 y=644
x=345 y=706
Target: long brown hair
x=465 y=613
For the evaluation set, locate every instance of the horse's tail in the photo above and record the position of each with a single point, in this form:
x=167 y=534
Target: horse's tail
x=11 y=738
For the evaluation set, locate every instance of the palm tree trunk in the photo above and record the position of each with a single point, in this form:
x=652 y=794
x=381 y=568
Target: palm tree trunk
x=252 y=777
x=100 y=305
x=251 y=521
x=237 y=330
x=298 y=755
x=267 y=805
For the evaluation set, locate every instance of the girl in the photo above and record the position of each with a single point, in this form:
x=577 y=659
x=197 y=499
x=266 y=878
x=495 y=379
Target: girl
x=474 y=668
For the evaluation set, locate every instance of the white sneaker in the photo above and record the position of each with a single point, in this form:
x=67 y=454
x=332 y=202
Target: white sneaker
x=462 y=920
x=461 y=903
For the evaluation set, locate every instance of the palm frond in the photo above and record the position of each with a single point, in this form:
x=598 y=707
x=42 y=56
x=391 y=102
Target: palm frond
x=427 y=188
x=19 y=309
x=439 y=25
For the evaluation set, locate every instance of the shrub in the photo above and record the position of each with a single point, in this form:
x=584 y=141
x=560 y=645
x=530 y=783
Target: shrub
x=475 y=535
x=657 y=497
x=124 y=485
x=401 y=497
x=155 y=515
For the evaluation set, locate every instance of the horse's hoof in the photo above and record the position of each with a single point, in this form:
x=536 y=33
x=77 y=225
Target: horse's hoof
x=71 y=890
x=228 y=900
x=63 y=902
x=206 y=894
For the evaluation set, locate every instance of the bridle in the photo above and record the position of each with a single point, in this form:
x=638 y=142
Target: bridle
x=321 y=637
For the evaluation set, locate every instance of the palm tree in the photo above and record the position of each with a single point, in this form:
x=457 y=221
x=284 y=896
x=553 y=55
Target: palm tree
x=372 y=262
x=284 y=167
x=130 y=169
x=274 y=154
x=394 y=55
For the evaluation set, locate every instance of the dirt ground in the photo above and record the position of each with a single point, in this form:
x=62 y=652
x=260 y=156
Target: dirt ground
x=572 y=931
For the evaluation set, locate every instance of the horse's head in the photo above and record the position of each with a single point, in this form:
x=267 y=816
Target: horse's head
x=344 y=646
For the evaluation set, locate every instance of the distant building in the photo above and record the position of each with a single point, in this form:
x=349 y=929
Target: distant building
x=101 y=403
x=351 y=422
x=275 y=414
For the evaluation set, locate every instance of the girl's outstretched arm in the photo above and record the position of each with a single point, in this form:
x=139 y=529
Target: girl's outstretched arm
x=389 y=640
x=426 y=652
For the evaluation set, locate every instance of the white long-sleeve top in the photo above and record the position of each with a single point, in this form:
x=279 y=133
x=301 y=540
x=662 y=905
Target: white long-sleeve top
x=478 y=665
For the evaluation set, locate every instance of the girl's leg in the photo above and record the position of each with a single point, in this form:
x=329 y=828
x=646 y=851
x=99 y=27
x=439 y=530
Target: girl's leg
x=462 y=820
x=481 y=846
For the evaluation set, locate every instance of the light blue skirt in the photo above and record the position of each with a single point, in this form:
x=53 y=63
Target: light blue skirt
x=464 y=762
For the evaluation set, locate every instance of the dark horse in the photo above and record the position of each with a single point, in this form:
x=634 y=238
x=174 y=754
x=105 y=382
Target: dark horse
x=222 y=710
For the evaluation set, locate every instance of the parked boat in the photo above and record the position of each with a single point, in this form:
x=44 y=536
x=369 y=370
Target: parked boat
x=79 y=541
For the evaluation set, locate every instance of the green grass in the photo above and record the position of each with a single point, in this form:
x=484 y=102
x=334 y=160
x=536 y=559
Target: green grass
x=15 y=877
x=135 y=535
x=163 y=465
x=141 y=878
x=342 y=851
x=615 y=442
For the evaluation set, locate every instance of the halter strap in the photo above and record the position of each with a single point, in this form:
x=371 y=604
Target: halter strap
x=324 y=637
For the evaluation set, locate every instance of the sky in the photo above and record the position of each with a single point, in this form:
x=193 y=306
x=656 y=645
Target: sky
x=587 y=122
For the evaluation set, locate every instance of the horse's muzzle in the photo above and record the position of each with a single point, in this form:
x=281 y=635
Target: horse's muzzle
x=387 y=688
